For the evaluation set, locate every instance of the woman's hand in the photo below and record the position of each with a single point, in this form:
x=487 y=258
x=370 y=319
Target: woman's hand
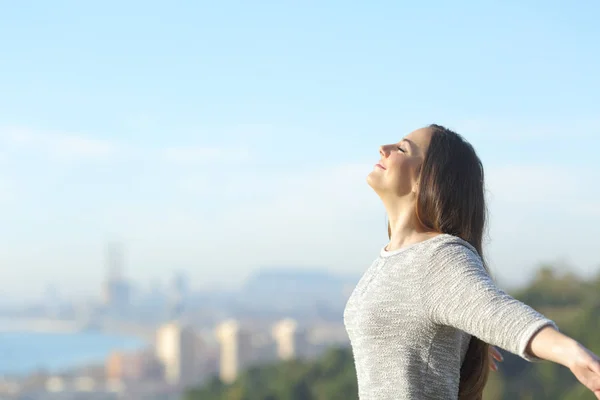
x=495 y=356
x=585 y=365
x=549 y=344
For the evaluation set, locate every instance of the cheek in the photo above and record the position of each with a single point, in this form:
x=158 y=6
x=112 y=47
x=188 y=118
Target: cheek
x=401 y=167
x=404 y=173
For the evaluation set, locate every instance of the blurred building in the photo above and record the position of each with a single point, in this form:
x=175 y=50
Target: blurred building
x=116 y=290
x=178 y=294
x=290 y=340
x=177 y=347
x=236 y=349
x=133 y=366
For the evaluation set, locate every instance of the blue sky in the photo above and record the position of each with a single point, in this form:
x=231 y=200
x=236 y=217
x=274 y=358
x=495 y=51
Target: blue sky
x=221 y=137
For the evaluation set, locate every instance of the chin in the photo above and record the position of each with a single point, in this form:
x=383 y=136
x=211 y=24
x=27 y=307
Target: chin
x=372 y=181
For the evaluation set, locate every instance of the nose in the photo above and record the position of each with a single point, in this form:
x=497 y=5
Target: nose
x=383 y=151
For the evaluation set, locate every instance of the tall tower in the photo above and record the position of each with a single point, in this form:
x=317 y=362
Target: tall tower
x=178 y=292
x=236 y=350
x=116 y=290
x=290 y=341
x=114 y=260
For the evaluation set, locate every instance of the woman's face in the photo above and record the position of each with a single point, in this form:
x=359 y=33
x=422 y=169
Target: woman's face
x=397 y=171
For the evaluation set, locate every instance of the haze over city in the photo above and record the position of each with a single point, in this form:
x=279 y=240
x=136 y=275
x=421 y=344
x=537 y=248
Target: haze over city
x=222 y=138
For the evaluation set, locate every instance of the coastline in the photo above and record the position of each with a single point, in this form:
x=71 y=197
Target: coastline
x=38 y=325
x=55 y=347
x=51 y=325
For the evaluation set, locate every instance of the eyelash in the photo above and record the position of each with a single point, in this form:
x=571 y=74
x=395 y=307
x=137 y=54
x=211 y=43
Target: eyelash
x=400 y=148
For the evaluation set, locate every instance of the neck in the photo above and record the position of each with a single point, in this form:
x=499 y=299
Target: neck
x=404 y=226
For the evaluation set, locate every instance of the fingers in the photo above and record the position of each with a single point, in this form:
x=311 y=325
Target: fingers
x=595 y=366
x=592 y=381
x=496 y=354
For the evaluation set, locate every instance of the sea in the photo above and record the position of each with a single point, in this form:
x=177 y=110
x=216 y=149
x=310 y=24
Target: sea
x=22 y=353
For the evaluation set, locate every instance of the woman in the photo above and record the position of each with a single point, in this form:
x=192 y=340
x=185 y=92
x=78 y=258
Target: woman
x=422 y=316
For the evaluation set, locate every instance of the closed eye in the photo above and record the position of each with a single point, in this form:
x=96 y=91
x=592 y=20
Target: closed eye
x=401 y=149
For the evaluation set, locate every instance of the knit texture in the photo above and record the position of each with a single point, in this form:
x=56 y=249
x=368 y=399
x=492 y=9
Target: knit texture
x=412 y=314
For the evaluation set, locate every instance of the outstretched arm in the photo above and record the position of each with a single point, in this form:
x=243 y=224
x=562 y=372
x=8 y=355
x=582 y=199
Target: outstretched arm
x=549 y=344
x=457 y=291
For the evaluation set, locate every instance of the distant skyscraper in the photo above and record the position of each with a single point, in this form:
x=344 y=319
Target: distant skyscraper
x=236 y=350
x=116 y=289
x=115 y=260
x=181 y=283
x=178 y=293
x=290 y=340
x=177 y=348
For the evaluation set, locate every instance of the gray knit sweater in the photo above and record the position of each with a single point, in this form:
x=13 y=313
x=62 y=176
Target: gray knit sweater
x=411 y=315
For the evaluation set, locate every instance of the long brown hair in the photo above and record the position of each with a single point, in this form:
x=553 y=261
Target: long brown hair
x=451 y=199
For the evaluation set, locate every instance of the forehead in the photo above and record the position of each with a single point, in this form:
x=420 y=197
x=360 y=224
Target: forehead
x=420 y=138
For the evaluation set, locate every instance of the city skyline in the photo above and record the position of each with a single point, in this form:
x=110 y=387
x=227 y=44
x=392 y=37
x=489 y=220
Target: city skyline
x=222 y=138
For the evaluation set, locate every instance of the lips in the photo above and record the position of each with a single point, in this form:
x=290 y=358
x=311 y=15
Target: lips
x=380 y=166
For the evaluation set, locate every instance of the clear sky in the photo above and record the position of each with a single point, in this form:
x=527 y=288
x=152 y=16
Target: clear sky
x=219 y=137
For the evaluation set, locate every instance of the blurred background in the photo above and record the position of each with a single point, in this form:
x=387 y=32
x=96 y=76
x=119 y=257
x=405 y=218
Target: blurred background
x=183 y=205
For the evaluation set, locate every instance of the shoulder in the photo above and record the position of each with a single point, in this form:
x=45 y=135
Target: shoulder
x=451 y=251
x=448 y=244
x=451 y=262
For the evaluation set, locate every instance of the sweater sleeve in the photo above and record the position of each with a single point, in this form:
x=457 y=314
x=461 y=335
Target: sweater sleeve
x=457 y=291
